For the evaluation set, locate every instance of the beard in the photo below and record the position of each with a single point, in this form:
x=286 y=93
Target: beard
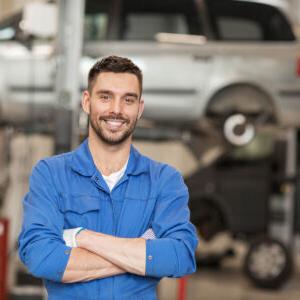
x=108 y=136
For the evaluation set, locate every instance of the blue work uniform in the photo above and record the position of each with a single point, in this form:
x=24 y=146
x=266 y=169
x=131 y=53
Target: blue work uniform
x=68 y=191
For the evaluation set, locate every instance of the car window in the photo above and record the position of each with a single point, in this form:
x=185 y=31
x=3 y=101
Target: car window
x=146 y=26
x=242 y=20
x=239 y=29
x=135 y=26
x=228 y=20
x=9 y=27
x=7 y=33
x=140 y=19
x=95 y=26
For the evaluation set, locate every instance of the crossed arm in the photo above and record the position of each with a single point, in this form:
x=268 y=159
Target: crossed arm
x=45 y=254
x=99 y=255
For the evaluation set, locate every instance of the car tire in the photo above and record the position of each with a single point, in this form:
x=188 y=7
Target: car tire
x=268 y=263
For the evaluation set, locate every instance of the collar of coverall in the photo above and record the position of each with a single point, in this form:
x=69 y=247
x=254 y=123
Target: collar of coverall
x=82 y=161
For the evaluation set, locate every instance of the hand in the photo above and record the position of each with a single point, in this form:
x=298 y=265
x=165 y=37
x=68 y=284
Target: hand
x=69 y=236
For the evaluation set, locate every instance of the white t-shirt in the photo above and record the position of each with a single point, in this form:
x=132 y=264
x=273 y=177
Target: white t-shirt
x=112 y=179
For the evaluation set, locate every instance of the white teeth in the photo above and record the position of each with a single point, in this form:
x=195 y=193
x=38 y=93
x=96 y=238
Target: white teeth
x=114 y=122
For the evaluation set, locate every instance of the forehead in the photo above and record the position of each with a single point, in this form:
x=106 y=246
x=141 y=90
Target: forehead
x=117 y=82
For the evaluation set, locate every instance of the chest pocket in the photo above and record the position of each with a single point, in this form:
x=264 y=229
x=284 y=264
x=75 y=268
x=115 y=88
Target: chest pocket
x=81 y=211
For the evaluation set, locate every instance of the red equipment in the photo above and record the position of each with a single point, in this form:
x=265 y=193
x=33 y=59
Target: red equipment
x=3 y=257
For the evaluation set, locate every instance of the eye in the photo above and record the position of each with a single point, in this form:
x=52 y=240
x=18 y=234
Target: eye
x=129 y=100
x=104 y=97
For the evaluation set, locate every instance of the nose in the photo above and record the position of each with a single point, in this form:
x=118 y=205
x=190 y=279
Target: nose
x=116 y=106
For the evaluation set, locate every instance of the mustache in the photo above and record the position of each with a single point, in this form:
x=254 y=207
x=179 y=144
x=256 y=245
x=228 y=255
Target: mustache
x=114 y=117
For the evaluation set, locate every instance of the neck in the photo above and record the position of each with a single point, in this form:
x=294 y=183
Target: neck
x=108 y=158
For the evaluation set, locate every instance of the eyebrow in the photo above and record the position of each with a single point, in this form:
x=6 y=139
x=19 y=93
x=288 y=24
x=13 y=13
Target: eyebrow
x=103 y=92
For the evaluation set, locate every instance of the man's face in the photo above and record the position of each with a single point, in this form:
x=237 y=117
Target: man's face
x=113 y=106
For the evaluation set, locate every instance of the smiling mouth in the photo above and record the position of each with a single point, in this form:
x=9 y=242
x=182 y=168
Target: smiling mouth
x=114 y=124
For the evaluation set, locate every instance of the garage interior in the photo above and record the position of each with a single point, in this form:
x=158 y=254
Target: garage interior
x=238 y=153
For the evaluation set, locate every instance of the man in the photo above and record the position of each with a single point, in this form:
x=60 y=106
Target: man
x=104 y=221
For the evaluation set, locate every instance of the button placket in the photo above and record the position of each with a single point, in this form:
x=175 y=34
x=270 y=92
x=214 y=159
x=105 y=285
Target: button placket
x=99 y=183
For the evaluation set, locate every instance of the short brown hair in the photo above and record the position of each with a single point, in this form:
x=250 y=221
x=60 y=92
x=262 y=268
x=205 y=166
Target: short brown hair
x=115 y=64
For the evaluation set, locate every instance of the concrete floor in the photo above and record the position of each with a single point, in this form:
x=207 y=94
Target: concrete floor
x=229 y=283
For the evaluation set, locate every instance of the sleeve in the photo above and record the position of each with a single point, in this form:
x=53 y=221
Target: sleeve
x=41 y=246
x=172 y=254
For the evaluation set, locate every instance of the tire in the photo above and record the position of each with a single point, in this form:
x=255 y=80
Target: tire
x=207 y=218
x=268 y=263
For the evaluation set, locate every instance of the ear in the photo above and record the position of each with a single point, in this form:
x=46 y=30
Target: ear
x=141 y=108
x=85 y=101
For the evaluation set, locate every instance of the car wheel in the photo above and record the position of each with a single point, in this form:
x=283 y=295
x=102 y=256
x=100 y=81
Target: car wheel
x=238 y=130
x=268 y=263
x=207 y=218
x=241 y=110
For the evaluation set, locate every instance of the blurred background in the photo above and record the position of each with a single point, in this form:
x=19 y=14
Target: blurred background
x=222 y=105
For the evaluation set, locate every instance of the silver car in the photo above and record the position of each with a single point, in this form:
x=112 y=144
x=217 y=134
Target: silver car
x=234 y=63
